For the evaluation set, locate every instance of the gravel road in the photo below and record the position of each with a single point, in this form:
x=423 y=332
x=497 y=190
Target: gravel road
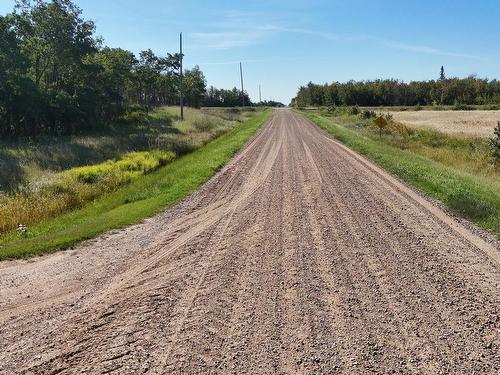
x=299 y=257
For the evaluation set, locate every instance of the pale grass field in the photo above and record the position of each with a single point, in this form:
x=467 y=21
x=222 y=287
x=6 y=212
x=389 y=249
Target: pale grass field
x=467 y=123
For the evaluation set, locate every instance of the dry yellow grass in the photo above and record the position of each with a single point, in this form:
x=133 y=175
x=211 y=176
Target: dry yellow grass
x=45 y=193
x=468 y=123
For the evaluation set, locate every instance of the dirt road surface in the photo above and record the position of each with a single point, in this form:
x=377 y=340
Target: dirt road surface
x=299 y=257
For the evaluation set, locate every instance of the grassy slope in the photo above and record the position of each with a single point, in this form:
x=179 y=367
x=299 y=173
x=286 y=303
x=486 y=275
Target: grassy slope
x=31 y=159
x=473 y=197
x=42 y=190
x=140 y=199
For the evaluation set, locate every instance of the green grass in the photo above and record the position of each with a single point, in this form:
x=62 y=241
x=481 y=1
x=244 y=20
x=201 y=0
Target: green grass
x=469 y=194
x=143 y=197
x=46 y=191
x=75 y=187
x=23 y=161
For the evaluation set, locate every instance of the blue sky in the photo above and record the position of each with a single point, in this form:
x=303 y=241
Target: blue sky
x=284 y=44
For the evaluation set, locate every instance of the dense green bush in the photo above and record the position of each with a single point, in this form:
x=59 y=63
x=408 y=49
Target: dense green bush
x=495 y=143
x=462 y=107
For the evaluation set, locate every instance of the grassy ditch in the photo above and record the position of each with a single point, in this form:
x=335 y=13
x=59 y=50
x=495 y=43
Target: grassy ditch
x=458 y=172
x=50 y=176
x=75 y=187
x=139 y=198
x=27 y=160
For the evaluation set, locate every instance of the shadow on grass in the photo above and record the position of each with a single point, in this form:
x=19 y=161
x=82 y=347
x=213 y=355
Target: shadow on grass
x=59 y=153
x=11 y=173
x=468 y=205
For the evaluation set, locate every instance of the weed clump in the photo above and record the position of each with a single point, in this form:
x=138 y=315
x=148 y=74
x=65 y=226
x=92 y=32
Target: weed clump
x=204 y=124
x=495 y=143
x=368 y=114
x=331 y=108
x=355 y=110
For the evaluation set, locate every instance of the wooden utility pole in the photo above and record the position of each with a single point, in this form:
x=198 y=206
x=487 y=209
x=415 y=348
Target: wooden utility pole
x=242 y=91
x=181 y=78
x=260 y=95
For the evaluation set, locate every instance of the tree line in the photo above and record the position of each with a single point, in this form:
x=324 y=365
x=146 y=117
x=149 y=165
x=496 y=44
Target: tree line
x=391 y=92
x=57 y=77
x=215 y=97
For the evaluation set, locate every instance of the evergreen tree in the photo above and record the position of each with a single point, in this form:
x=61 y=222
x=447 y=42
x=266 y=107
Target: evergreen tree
x=442 y=76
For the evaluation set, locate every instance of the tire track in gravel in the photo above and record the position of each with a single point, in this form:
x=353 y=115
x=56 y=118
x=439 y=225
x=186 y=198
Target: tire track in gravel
x=298 y=257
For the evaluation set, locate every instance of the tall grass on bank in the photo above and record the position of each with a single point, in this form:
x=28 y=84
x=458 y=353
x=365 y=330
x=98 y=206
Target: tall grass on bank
x=141 y=198
x=468 y=154
x=443 y=167
x=46 y=193
x=76 y=187
x=26 y=161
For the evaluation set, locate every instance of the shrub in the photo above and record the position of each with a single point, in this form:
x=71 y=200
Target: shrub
x=462 y=107
x=495 y=143
x=331 y=108
x=354 y=110
x=135 y=114
x=204 y=124
x=368 y=114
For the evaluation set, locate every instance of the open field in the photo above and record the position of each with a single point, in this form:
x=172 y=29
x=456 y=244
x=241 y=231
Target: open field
x=299 y=257
x=116 y=195
x=476 y=123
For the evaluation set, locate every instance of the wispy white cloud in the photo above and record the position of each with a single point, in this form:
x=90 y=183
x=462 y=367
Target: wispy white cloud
x=265 y=61
x=227 y=39
x=233 y=29
x=380 y=41
x=237 y=19
x=237 y=29
x=427 y=50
